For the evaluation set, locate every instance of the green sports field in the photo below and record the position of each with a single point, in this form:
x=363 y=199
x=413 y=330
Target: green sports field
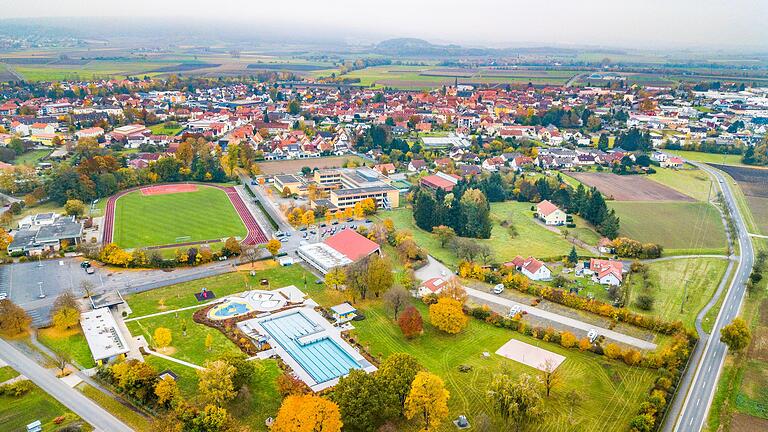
x=155 y=220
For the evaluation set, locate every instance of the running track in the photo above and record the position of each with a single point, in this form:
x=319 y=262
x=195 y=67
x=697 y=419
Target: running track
x=255 y=233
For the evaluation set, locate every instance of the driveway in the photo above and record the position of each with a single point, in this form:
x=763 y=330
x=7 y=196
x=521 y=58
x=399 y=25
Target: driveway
x=436 y=269
x=69 y=397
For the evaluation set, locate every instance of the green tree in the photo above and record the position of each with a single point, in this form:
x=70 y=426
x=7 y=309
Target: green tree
x=573 y=257
x=361 y=401
x=444 y=234
x=74 y=207
x=395 y=375
x=475 y=214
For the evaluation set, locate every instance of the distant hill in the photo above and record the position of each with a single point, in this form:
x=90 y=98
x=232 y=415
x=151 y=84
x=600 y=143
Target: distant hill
x=421 y=47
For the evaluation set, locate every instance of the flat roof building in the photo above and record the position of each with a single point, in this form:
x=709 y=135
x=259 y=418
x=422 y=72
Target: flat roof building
x=338 y=250
x=103 y=337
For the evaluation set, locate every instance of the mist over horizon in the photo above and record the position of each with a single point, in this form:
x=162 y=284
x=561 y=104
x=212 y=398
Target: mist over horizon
x=654 y=25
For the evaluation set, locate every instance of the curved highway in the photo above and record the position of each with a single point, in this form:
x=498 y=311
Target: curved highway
x=706 y=373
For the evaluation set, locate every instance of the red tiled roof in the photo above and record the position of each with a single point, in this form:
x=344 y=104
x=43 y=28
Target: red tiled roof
x=352 y=244
x=546 y=208
x=434 y=284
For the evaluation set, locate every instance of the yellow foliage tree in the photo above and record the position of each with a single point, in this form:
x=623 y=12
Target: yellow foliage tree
x=216 y=382
x=65 y=318
x=428 y=399
x=447 y=315
x=307 y=413
x=5 y=239
x=162 y=337
x=568 y=340
x=613 y=351
x=273 y=246
x=208 y=341
x=113 y=254
x=308 y=218
x=166 y=390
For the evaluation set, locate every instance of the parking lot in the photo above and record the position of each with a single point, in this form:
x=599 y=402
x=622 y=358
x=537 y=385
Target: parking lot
x=23 y=282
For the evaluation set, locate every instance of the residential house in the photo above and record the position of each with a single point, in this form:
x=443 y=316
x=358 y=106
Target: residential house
x=606 y=272
x=550 y=214
x=431 y=286
x=531 y=268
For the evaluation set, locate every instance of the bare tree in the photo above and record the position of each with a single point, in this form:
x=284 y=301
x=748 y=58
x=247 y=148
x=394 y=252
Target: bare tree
x=60 y=361
x=551 y=375
x=396 y=298
x=87 y=287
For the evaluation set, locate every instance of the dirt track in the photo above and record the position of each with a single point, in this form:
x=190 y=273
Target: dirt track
x=630 y=187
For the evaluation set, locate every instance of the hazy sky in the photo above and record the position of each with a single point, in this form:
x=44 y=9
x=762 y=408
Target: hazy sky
x=614 y=23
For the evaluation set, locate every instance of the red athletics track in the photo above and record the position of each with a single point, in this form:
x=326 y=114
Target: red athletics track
x=255 y=233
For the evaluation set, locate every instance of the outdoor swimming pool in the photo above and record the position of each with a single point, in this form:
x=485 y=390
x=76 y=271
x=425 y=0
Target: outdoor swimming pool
x=308 y=344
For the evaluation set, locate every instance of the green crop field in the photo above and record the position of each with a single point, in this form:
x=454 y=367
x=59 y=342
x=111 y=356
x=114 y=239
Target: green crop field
x=426 y=77
x=90 y=70
x=692 y=279
x=689 y=226
x=531 y=239
x=152 y=220
x=691 y=181
x=707 y=157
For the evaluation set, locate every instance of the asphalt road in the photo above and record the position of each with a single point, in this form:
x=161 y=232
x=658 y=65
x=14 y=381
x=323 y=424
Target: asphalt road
x=436 y=269
x=69 y=397
x=699 y=398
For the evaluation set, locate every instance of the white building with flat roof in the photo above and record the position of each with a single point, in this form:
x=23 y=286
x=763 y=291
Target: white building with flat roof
x=103 y=337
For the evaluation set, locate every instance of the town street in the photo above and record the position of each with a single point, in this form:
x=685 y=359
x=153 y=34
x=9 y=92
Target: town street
x=69 y=397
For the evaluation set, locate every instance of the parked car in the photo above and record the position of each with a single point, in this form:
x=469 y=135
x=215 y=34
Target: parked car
x=3 y=296
x=592 y=334
x=498 y=289
x=514 y=310
x=90 y=270
x=85 y=264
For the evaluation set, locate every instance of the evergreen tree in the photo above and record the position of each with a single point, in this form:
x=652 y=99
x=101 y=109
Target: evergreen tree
x=424 y=210
x=573 y=257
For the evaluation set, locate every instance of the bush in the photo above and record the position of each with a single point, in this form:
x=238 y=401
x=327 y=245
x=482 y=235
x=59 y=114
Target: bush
x=645 y=302
x=17 y=388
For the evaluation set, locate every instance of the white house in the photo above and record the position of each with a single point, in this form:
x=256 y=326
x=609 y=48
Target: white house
x=532 y=268
x=606 y=272
x=550 y=214
x=431 y=286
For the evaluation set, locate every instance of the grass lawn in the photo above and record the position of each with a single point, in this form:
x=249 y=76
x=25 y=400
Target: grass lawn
x=161 y=129
x=31 y=158
x=6 y=373
x=699 y=277
x=182 y=295
x=690 y=181
x=532 y=238
x=149 y=220
x=674 y=225
x=134 y=420
x=17 y=412
x=707 y=157
x=70 y=342
x=594 y=394
x=191 y=347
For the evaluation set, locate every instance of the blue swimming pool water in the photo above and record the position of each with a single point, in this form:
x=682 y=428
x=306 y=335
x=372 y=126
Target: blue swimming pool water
x=231 y=309
x=323 y=359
